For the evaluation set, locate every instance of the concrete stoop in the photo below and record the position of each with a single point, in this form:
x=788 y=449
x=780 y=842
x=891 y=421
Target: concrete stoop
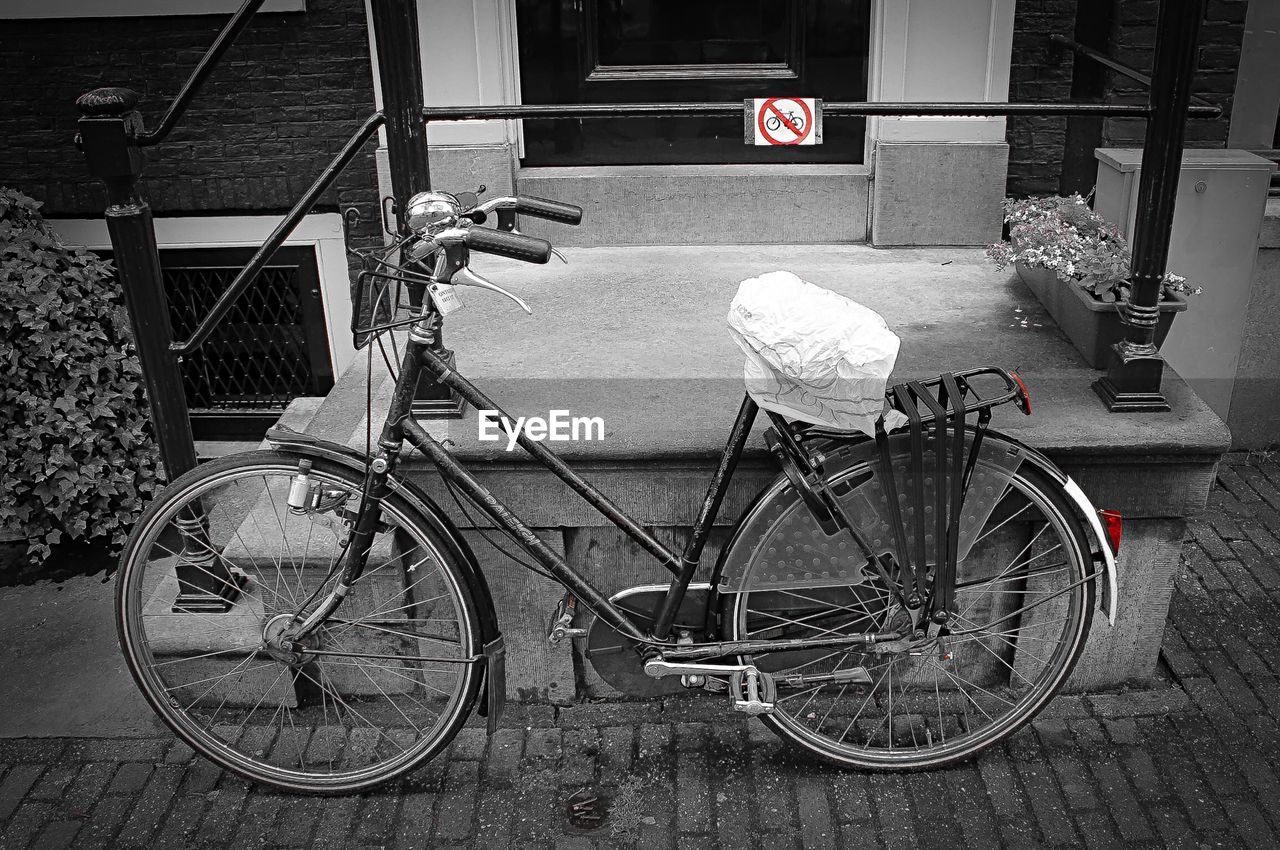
x=636 y=336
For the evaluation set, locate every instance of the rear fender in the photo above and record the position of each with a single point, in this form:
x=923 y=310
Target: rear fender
x=439 y=522
x=1108 y=590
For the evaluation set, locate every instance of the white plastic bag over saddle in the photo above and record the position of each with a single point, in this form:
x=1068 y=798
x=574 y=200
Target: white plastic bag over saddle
x=813 y=355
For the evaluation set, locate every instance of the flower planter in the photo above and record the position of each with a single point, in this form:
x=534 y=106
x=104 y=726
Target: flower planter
x=1093 y=326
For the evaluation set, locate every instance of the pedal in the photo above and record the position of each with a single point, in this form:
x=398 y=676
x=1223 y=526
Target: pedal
x=562 y=621
x=752 y=691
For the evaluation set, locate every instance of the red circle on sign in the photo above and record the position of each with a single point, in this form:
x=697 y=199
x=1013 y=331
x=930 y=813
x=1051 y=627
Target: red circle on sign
x=768 y=106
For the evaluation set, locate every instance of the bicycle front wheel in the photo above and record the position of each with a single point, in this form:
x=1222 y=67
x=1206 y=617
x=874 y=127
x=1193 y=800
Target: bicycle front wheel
x=1024 y=601
x=381 y=686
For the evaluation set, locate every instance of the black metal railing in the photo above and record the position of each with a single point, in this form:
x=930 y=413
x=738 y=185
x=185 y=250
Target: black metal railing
x=1198 y=106
x=113 y=135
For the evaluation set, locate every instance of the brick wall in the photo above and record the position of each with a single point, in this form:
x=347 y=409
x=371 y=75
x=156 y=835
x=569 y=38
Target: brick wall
x=1133 y=42
x=280 y=105
x=1038 y=73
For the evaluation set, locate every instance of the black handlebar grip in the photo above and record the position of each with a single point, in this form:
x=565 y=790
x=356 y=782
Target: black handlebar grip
x=514 y=245
x=548 y=209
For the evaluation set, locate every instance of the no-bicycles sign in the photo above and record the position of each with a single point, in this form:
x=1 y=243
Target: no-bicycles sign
x=783 y=121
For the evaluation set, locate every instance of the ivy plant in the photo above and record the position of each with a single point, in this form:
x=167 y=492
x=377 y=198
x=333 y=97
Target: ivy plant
x=77 y=459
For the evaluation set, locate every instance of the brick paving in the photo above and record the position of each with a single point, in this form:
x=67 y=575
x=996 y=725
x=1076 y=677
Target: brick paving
x=1191 y=762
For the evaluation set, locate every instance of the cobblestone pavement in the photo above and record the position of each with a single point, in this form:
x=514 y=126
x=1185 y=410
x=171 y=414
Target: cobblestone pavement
x=1194 y=762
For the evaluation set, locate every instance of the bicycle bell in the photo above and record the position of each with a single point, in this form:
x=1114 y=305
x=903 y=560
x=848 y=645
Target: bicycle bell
x=427 y=208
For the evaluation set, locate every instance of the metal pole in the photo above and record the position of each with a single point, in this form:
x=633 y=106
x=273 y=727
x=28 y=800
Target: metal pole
x=395 y=29
x=1136 y=368
x=109 y=128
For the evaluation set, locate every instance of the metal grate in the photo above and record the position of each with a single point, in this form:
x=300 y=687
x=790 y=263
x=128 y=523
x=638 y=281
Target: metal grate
x=271 y=348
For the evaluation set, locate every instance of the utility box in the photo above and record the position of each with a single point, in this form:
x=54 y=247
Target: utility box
x=1222 y=196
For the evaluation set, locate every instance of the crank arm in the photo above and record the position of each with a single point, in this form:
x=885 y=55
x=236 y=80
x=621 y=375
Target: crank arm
x=657 y=669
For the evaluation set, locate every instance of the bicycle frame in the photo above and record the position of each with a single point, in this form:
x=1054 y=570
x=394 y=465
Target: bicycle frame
x=401 y=426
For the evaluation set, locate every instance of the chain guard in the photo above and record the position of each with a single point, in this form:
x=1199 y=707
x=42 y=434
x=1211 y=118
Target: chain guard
x=614 y=656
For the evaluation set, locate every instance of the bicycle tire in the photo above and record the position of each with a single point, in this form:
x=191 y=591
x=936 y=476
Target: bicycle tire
x=884 y=745
x=379 y=713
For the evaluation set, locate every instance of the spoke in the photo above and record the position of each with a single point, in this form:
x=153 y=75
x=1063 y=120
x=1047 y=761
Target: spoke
x=937 y=696
x=1019 y=611
x=1015 y=566
x=1002 y=522
x=351 y=711
x=978 y=631
x=817 y=687
x=261 y=699
x=955 y=677
x=1012 y=669
x=410 y=635
x=284 y=535
x=870 y=694
x=968 y=586
x=384 y=611
x=306 y=556
x=412 y=567
x=395 y=671
x=239 y=667
x=219 y=556
x=889 y=717
x=183 y=658
x=302 y=759
x=857 y=600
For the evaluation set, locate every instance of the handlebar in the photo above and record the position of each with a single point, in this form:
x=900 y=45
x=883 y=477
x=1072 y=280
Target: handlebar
x=549 y=209
x=514 y=245
x=558 y=211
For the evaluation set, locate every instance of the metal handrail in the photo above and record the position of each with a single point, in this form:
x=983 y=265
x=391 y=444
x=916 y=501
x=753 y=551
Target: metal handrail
x=286 y=226
x=204 y=68
x=829 y=109
x=1126 y=71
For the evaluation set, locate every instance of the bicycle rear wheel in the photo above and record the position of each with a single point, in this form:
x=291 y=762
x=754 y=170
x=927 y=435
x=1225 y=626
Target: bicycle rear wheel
x=382 y=685
x=1025 y=597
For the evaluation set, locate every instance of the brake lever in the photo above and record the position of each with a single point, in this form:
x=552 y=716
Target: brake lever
x=467 y=277
x=561 y=256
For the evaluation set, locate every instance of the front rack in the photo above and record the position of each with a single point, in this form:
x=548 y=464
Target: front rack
x=378 y=300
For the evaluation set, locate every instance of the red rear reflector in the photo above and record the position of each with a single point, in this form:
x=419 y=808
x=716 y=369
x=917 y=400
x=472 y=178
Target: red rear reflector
x=1024 y=397
x=1113 y=525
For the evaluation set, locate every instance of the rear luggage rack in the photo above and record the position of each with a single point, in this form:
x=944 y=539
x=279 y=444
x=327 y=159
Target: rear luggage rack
x=937 y=412
x=974 y=402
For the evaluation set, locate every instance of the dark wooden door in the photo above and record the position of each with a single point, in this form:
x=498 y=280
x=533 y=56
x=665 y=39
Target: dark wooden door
x=627 y=51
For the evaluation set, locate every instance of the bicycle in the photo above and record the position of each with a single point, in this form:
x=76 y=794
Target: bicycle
x=774 y=123
x=306 y=617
